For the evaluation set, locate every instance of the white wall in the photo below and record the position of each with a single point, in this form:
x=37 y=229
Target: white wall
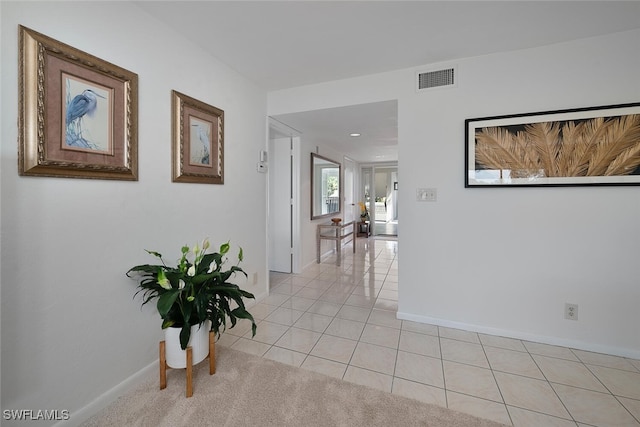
x=71 y=329
x=505 y=260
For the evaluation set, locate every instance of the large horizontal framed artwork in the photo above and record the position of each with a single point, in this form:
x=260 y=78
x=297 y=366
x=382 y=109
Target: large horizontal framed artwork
x=78 y=114
x=198 y=141
x=584 y=146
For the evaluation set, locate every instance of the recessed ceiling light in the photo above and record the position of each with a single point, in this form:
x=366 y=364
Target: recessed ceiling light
x=354 y=134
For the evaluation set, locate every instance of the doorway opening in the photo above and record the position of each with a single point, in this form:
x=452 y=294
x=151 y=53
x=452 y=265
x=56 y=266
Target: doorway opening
x=380 y=194
x=283 y=199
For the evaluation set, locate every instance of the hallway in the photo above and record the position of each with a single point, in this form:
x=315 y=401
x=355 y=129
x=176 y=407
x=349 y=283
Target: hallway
x=388 y=228
x=341 y=321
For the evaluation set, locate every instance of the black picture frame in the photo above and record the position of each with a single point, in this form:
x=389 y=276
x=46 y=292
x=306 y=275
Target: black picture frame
x=574 y=147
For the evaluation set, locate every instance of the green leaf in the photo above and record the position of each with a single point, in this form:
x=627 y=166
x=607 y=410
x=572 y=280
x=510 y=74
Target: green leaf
x=201 y=278
x=186 y=312
x=166 y=300
x=241 y=313
x=156 y=254
x=146 y=268
x=247 y=294
x=236 y=269
x=240 y=254
x=224 y=276
x=185 y=334
x=174 y=275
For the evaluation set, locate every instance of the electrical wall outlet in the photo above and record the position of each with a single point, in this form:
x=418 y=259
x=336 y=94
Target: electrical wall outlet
x=571 y=311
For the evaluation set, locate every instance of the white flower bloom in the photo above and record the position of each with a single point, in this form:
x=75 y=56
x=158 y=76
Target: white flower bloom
x=181 y=284
x=212 y=267
x=191 y=271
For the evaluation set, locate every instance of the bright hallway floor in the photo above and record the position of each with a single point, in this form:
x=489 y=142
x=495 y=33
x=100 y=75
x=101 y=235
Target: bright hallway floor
x=341 y=321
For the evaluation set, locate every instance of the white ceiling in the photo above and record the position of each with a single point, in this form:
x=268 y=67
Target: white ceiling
x=377 y=124
x=284 y=44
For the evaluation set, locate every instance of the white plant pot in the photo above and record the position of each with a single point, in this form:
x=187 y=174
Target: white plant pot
x=175 y=356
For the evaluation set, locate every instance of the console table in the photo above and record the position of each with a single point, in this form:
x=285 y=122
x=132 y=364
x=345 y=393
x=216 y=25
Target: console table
x=335 y=232
x=364 y=228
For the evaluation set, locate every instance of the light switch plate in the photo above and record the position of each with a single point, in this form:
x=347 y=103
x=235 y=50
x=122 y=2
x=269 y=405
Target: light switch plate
x=427 y=195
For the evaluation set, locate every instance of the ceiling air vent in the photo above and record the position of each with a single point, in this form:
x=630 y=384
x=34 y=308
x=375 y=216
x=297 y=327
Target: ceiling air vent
x=436 y=79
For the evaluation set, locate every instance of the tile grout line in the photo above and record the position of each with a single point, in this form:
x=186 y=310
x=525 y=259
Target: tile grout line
x=493 y=375
x=355 y=269
x=550 y=385
x=616 y=397
x=444 y=379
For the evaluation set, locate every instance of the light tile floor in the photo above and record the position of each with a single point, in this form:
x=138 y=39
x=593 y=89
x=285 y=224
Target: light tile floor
x=341 y=321
x=389 y=228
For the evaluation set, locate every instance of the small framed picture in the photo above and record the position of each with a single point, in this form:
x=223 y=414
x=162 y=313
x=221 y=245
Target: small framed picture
x=198 y=141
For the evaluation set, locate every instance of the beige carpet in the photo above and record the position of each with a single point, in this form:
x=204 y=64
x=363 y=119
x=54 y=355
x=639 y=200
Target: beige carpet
x=251 y=391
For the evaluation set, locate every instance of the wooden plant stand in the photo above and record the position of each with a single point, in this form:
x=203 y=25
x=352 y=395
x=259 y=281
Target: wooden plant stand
x=164 y=366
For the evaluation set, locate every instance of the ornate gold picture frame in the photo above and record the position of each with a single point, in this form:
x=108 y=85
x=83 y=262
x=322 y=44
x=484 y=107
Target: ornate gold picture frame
x=78 y=114
x=198 y=141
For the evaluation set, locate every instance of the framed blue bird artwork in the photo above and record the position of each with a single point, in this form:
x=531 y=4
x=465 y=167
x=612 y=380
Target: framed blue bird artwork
x=87 y=115
x=77 y=113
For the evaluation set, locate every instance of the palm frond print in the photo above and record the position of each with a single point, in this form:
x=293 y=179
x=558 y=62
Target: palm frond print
x=595 y=147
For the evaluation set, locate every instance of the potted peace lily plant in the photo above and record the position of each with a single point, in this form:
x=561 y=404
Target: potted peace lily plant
x=195 y=292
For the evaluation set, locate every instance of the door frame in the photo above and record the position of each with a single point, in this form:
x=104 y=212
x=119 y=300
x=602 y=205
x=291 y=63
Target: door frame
x=372 y=167
x=351 y=207
x=294 y=136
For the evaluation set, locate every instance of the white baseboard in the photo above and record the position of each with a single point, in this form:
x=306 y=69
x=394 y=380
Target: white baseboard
x=78 y=417
x=578 y=345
